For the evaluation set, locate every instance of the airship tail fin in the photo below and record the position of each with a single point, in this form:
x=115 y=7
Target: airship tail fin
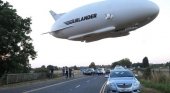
x=55 y=16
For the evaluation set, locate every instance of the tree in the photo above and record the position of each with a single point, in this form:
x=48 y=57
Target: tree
x=56 y=68
x=115 y=64
x=92 y=65
x=75 y=67
x=145 y=62
x=41 y=69
x=136 y=65
x=124 y=62
x=167 y=64
x=50 y=67
x=15 y=43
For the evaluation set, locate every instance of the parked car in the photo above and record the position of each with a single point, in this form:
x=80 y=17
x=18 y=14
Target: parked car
x=100 y=71
x=107 y=71
x=89 y=71
x=121 y=80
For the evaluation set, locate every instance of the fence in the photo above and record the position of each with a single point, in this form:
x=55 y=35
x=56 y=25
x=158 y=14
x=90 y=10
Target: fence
x=15 y=78
x=165 y=71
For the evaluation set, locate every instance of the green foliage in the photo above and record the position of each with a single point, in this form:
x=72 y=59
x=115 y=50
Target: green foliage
x=162 y=79
x=145 y=62
x=167 y=64
x=163 y=87
x=137 y=65
x=124 y=62
x=50 y=67
x=75 y=68
x=56 y=68
x=41 y=69
x=15 y=43
x=147 y=73
x=158 y=80
x=92 y=65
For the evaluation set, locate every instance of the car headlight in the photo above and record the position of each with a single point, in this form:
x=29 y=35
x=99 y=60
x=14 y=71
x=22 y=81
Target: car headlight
x=136 y=85
x=112 y=86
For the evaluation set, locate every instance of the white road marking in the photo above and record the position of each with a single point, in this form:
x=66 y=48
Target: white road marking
x=51 y=85
x=103 y=88
x=88 y=81
x=77 y=86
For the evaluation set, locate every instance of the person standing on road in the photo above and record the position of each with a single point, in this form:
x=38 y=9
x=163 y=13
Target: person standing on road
x=52 y=73
x=70 y=72
x=66 y=72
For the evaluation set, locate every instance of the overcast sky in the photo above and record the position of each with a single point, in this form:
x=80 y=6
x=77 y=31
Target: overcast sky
x=152 y=40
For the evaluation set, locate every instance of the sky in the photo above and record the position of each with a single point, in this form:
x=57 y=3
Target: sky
x=151 y=40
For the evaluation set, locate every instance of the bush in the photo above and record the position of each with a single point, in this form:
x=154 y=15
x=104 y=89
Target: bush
x=162 y=79
x=39 y=70
x=147 y=73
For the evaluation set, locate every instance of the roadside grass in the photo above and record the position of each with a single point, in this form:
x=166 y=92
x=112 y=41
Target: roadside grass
x=163 y=87
x=149 y=90
x=158 y=81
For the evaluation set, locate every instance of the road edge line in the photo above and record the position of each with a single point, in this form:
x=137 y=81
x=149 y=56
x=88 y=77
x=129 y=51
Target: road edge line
x=103 y=88
x=51 y=85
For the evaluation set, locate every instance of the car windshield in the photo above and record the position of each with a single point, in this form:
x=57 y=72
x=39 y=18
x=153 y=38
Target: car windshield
x=115 y=74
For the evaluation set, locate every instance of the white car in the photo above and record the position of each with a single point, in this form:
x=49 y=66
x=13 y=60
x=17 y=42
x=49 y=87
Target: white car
x=89 y=71
x=121 y=80
x=100 y=71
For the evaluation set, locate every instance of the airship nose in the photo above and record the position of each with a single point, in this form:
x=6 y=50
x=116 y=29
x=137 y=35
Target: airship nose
x=154 y=9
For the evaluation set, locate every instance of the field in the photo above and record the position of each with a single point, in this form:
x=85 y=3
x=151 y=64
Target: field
x=159 y=79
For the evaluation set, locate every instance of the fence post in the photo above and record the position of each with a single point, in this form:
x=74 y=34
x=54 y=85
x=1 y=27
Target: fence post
x=7 y=79
x=169 y=70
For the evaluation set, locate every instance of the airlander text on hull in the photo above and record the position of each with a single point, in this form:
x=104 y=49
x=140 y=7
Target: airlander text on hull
x=104 y=19
x=81 y=19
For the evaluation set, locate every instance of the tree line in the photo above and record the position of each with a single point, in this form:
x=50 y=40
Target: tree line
x=124 y=62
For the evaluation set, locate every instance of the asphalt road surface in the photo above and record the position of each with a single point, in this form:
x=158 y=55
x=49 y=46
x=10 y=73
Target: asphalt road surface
x=86 y=84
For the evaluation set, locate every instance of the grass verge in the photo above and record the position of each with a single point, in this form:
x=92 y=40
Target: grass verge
x=163 y=87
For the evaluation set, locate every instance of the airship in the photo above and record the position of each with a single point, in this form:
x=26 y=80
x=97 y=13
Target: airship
x=104 y=19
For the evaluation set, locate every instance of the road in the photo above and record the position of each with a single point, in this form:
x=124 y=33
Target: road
x=86 y=84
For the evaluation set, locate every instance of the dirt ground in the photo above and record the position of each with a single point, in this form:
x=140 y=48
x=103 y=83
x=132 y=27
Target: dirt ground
x=149 y=90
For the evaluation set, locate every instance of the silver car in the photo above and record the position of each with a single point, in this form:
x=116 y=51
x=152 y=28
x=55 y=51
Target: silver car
x=122 y=80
